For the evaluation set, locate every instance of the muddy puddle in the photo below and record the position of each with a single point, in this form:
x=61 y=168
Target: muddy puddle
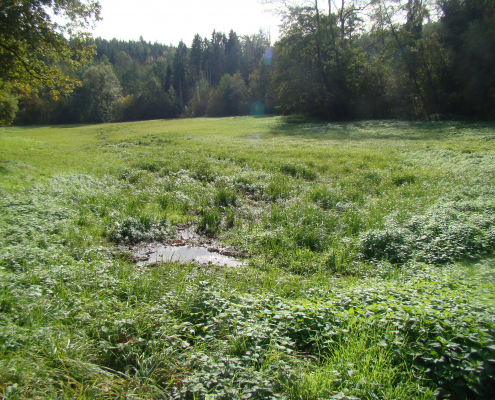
x=155 y=254
x=186 y=247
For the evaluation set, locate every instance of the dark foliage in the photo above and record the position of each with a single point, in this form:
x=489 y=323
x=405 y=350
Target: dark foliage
x=337 y=67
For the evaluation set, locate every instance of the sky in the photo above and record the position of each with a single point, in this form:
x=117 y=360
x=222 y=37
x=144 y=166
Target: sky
x=170 y=21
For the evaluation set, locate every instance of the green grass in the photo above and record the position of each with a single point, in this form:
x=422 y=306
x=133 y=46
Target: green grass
x=369 y=269
x=363 y=364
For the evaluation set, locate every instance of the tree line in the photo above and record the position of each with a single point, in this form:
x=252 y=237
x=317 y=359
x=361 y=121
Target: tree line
x=409 y=59
x=138 y=80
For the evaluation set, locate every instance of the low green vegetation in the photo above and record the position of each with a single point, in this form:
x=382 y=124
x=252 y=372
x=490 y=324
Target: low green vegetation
x=368 y=260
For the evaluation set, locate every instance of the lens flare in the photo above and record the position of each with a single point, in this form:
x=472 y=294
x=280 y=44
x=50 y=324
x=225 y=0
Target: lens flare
x=268 y=56
x=257 y=108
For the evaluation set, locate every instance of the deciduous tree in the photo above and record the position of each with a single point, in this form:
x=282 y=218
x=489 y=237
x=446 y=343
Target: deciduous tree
x=101 y=90
x=32 y=44
x=8 y=104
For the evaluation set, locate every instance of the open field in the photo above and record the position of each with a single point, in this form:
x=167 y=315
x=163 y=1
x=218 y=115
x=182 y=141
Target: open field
x=367 y=251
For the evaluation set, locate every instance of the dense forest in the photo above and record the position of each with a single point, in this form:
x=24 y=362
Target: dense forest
x=362 y=60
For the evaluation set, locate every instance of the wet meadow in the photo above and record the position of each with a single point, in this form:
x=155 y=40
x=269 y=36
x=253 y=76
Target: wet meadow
x=364 y=260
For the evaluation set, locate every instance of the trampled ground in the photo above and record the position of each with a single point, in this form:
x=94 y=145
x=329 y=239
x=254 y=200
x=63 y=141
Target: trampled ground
x=366 y=248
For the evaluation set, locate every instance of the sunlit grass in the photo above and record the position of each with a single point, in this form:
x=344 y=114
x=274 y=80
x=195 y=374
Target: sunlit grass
x=363 y=364
x=366 y=243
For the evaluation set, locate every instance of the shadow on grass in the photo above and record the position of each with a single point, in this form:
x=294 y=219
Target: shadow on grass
x=63 y=126
x=305 y=127
x=68 y=126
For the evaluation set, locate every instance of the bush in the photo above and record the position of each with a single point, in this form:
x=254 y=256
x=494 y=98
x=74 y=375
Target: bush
x=446 y=233
x=393 y=245
x=132 y=231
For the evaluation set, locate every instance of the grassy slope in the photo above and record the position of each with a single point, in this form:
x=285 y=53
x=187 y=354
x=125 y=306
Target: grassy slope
x=369 y=272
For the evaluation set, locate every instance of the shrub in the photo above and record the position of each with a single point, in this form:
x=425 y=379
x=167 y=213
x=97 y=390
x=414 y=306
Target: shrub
x=391 y=244
x=446 y=233
x=131 y=230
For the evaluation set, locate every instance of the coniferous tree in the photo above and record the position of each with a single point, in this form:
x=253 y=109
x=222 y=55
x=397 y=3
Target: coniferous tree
x=180 y=70
x=196 y=57
x=229 y=98
x=232 y=54
x=217 y=56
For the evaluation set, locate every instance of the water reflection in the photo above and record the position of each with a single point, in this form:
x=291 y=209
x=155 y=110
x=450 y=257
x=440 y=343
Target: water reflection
x=201 y=255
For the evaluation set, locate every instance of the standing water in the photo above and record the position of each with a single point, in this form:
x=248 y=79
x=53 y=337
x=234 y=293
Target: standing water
x=157 y=253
